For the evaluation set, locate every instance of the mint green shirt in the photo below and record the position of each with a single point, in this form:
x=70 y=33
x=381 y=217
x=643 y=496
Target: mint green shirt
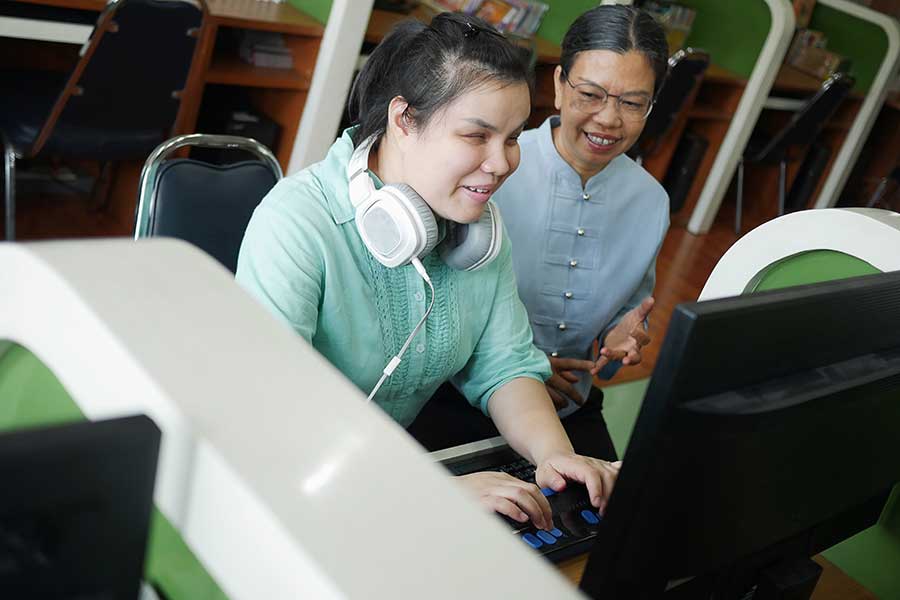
x=303 y=258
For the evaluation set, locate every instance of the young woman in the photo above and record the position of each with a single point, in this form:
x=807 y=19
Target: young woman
x=439 y=111
x=585 y=221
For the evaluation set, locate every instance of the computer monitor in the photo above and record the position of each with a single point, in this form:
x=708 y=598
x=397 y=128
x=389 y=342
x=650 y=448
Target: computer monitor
x=769 y=432
x=74 y=509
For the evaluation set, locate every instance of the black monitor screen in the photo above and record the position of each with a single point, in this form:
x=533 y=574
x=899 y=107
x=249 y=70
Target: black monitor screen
x=769 y=432
x=74 y=509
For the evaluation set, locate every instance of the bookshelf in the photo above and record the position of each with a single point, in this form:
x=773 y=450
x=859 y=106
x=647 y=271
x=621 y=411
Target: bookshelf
x=279 y=94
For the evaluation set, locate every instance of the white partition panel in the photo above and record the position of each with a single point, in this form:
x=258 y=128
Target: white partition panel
x=869 y=234
x=745 y=116
x=279 y=477
x=865 y=118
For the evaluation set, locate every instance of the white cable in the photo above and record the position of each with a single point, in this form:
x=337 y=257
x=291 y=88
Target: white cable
x=389 y=368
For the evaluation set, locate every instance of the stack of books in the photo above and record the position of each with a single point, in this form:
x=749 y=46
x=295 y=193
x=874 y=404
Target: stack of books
x=520 y=18
x=265 y=49
x=808 y=53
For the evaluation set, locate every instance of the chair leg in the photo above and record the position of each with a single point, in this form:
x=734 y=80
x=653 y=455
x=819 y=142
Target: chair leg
x=740 y=198
x=782 y=184
x=879 y=192
x=9 y=190
x=102 y=190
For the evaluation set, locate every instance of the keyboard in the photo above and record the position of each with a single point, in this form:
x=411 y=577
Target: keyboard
x=575 y=520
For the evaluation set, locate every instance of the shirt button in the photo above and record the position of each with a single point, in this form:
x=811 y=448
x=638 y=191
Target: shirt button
x=420 y=296
x=562 y=326
x=585 y=196
x=568 y=295
x=420 y=348
x=580 y=231
x=554 y=354
x=573 y=263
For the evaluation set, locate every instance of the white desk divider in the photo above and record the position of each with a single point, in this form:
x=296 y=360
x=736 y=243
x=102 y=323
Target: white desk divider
x=276 y=473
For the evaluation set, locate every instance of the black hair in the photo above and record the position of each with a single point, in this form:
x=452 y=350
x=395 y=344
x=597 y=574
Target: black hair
x=618 y=28
x=430 y=66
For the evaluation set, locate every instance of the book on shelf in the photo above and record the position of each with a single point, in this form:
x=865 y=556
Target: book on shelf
x=520 y=18
x=265 y=49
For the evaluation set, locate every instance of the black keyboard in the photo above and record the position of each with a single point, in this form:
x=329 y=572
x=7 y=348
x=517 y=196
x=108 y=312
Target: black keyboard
x=576 y=521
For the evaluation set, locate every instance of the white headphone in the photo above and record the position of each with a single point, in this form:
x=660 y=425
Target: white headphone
x=397 y=225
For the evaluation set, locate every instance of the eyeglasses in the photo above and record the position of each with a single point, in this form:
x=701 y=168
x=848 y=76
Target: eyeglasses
x=591 y=99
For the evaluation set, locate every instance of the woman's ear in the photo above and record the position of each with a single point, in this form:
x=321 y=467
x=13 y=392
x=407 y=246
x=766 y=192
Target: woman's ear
x=557 y=87
x=399 y=123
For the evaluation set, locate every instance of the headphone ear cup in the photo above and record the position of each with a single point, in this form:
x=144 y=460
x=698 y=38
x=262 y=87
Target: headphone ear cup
x=422 y=213
x=470 y=247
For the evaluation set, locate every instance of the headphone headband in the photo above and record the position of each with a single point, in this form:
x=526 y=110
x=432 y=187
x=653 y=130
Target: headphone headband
x=361 y=186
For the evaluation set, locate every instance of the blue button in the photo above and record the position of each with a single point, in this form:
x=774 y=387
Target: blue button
x=547 y=492
x=555 y=531
x=589 y=517
x=532 y=541
x=546 y=536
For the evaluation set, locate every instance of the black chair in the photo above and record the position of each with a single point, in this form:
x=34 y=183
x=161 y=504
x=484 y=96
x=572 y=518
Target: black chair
x=208 y=205
x=120 y=101
x=686 y=70
x=801 y=132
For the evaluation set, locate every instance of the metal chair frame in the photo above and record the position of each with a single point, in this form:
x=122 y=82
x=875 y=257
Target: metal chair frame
x=149 y=182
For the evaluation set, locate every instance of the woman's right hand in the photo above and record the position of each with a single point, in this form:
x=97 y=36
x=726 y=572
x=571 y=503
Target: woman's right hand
x=561 y=382
x=507 y=495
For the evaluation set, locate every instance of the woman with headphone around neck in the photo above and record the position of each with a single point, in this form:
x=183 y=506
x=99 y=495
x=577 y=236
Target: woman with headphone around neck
x=395 y=224
x=586 y=223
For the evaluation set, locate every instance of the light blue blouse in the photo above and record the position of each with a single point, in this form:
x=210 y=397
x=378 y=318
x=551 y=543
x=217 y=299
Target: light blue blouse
x=583 y=256
x=303 y=258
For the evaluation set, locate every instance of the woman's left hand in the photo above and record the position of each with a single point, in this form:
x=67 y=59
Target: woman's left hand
x=598 y=476
x=625 y=341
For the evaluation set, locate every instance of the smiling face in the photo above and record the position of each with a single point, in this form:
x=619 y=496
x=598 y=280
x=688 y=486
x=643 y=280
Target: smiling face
x=464 y=152
x=588 y=141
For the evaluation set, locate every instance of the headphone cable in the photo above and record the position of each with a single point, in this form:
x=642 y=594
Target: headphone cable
x=392 y=365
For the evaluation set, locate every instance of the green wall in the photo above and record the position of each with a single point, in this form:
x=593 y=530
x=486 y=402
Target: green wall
x=863 y=42
x=560 y=16
x=317 y=9
x=732 y=32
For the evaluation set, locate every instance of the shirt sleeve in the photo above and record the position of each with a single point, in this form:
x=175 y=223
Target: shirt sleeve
x=279 y=262
x=505 y=350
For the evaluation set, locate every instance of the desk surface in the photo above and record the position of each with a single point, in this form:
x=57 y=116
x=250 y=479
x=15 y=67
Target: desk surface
x=834 y=584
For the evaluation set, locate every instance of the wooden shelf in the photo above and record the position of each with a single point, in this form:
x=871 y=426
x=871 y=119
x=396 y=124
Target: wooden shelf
x=382 y=21
x=97 y=5
x=709 y=113
x=263 y=16
x=790 y=79
x=716 y=74
x=230 y=70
